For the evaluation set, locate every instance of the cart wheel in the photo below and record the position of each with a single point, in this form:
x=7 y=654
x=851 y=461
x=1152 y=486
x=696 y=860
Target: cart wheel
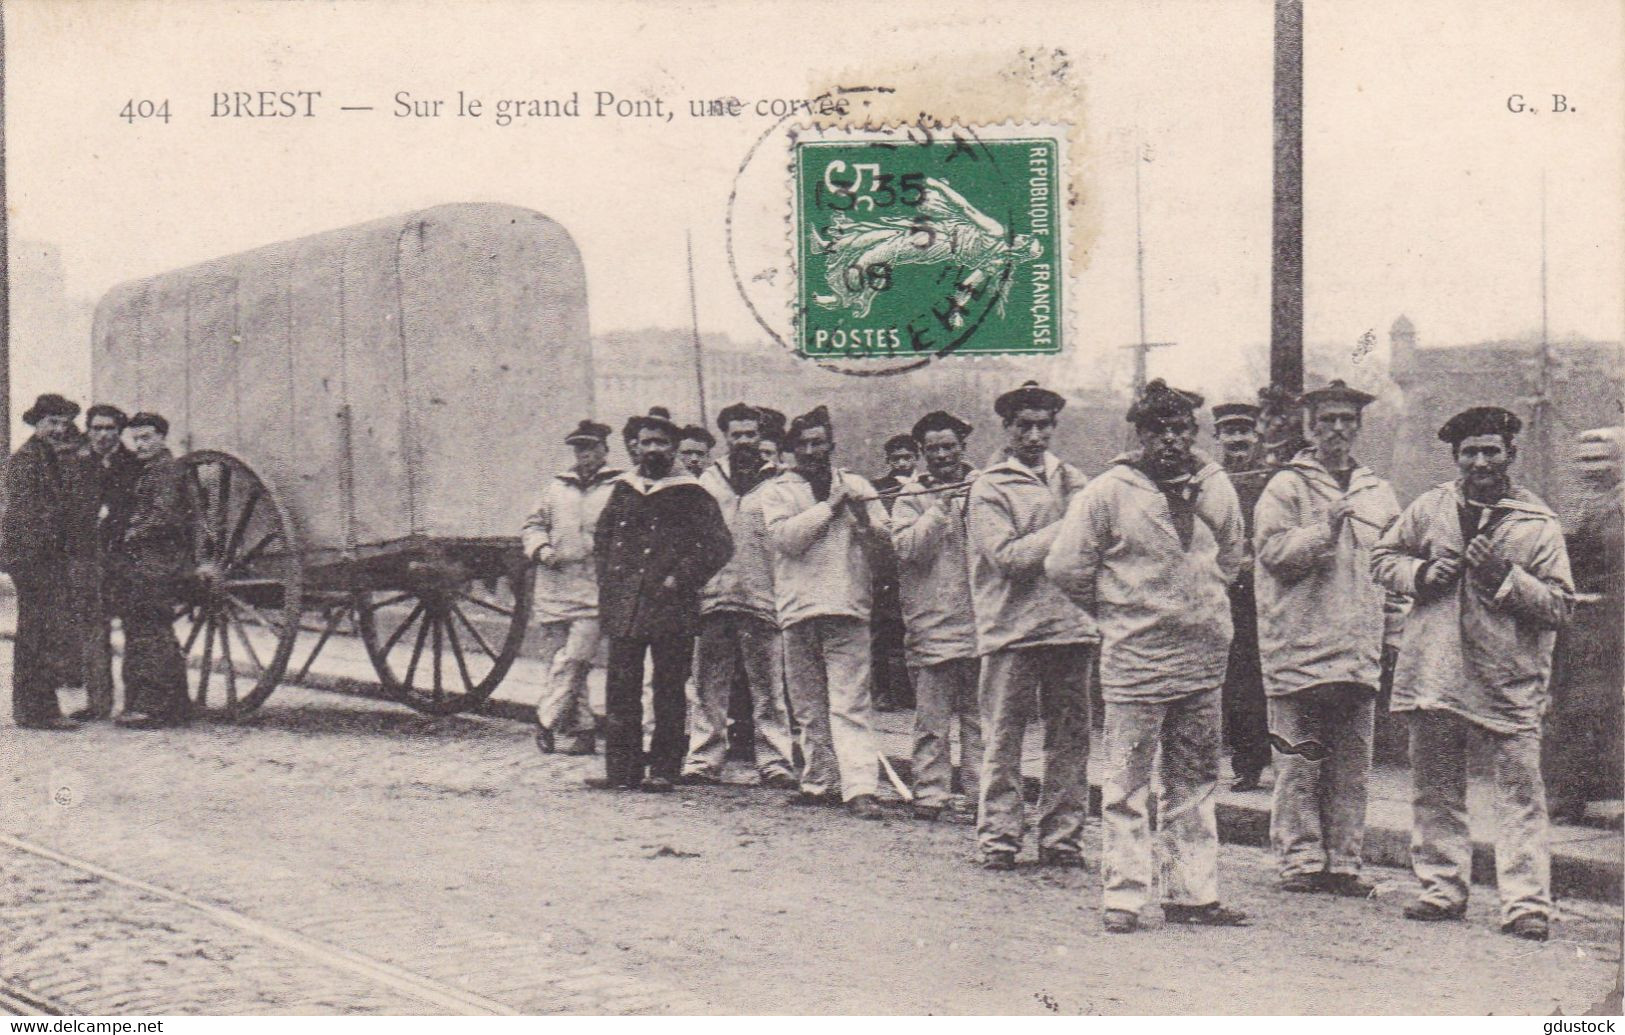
x=444 y=644
x=237 y=612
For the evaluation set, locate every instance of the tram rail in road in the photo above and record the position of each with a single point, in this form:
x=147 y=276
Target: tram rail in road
x=457 y=1001
x=19 y=1002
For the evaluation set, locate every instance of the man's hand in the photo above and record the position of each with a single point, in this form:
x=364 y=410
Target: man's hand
x=839 y=492
x=1338 y=512
x=546 y=556
x=670 y=582
x=1489 y=571
x=1441 y=571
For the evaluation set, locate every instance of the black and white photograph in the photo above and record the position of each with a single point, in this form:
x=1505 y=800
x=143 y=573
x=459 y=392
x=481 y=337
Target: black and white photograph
x=811 y=508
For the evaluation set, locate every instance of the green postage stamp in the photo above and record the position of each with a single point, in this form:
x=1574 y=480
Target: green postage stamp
x=927 y=244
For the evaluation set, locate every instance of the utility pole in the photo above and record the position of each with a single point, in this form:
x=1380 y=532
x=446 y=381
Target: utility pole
x=1141 y=347
x=1286 y=273
x=1541 y=418
x=694 y=318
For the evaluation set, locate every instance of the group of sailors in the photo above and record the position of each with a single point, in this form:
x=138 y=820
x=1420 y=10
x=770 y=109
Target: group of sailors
x=1272 y=599
x=1286 y=587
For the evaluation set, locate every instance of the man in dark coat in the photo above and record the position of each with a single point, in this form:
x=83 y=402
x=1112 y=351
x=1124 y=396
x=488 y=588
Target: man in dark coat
x=1582 y=753
x=1246 y=720
x=151 y=555
x=660 y=539
x=101 y=480
x=34 y=552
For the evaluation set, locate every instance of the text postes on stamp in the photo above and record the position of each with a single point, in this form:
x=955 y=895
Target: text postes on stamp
x=927 y=245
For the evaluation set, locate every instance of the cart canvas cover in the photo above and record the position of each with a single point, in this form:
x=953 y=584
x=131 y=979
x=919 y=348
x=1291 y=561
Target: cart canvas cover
x=391 y=380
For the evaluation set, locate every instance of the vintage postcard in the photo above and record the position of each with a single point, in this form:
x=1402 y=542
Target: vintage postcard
x=539 y=507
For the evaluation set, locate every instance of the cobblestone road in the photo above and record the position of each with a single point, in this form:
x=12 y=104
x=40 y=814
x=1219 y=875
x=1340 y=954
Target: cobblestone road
x=448 y=853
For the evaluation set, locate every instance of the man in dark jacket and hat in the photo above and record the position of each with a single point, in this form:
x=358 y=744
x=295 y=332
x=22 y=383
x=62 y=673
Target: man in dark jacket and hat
x=659 y=540
x=151 y=555
x=1581 y=753
x=101 y=480
x=1246 y=719
x=34 y=552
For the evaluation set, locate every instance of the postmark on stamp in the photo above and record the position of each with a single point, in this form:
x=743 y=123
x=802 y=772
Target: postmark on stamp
x=924 y=244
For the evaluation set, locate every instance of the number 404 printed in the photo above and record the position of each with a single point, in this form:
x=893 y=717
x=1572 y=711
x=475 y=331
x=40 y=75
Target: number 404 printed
x=134 y=109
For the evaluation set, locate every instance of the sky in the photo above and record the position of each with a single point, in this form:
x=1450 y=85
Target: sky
x=1423 y=191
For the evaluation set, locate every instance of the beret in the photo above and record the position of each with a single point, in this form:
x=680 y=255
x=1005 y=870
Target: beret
x=1028 y=397
x=586 y=433
x=1480 y=420
x=1159 y=402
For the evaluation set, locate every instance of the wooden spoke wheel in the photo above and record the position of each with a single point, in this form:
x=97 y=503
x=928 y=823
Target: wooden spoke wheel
x=237 y=611
x=443 y=641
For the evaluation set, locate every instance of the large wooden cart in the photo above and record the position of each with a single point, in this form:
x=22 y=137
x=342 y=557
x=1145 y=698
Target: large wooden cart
x=362 y=415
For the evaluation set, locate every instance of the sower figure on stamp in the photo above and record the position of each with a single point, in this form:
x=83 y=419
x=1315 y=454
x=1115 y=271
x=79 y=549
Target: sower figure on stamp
x=1149 y=548
x=821 y=525
x=928 y=529
x=153 y=552
x=103 y=476
x=1321 y=625
x=34 y=552
x=659 y=539
x=738 y=625
x=558 y=537
x=1246 y=717
x=1485 y=563
x=1037 y=650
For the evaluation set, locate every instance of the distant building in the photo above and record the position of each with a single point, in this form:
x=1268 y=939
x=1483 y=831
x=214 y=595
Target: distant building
x=634 y=370
x=50 y=332
x=1587 y=384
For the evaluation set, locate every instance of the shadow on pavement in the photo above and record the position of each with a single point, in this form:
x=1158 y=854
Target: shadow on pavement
x=339 y=719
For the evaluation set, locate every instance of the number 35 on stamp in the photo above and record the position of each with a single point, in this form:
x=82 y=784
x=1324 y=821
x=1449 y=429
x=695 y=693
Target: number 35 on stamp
x=914 y=247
